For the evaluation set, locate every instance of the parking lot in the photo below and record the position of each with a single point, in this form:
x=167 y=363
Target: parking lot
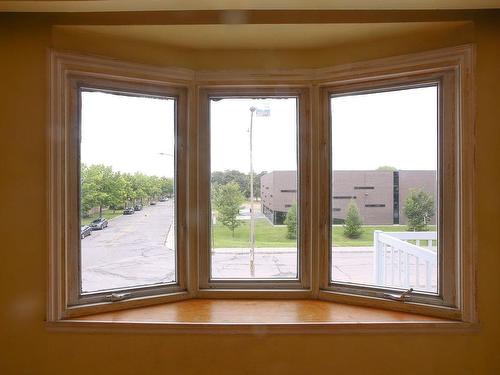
x=133 y=250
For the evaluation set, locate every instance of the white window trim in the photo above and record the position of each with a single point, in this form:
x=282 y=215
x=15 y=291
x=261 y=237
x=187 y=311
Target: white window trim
x=457 y=59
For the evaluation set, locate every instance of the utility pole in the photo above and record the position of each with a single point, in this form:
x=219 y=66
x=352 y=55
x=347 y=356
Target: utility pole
x=252 y=217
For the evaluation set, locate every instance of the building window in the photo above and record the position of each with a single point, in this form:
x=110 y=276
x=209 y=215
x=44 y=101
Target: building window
x=364 y=187
x=289 y=191
x=374 y=205
x=344 y=197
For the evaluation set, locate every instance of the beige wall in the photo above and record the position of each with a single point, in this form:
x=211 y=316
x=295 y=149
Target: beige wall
x=28 y=348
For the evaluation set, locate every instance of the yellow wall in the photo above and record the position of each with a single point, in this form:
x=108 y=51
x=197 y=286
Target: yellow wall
x=28 y=348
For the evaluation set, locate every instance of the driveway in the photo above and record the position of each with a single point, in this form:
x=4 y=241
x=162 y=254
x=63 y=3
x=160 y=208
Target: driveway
x=133 y=250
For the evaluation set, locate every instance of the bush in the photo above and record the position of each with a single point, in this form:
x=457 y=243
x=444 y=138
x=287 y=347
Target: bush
x=419 y=209
x=291 y=222
x=352 y=224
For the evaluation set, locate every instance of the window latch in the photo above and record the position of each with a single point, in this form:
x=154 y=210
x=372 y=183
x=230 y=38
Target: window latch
x=403 y=297
x=117 y=296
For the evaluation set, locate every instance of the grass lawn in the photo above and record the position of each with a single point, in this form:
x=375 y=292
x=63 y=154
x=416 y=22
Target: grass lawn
x=107 y=214
x=267 y=235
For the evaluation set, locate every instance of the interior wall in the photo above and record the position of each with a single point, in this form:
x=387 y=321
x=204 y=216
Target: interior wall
x=28 y=348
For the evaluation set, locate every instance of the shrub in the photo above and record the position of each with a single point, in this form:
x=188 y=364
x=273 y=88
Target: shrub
x=352 y=224
x=291 y=222
x=419 y=209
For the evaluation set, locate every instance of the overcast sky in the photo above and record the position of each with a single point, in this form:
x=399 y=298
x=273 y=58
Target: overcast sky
x=137 y=134
x=131 y=134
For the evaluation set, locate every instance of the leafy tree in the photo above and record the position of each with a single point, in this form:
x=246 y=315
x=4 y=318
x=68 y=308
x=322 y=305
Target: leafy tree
x=419 y=209
x=138 y=182
x=227 y=200
x=98 y=186
x=387 y=168
x=291 y=222
x=167 y=186
x=352 y=224
x=242 y=179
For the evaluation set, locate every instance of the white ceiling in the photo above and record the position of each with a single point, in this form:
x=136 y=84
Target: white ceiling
x=142 y=5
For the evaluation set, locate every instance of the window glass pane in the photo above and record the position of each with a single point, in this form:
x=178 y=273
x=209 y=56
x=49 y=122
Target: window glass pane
x=384 y=193
x=127 y=191
x=254 y=139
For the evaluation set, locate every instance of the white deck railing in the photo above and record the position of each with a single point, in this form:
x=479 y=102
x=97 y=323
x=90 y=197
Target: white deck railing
x=402 y=264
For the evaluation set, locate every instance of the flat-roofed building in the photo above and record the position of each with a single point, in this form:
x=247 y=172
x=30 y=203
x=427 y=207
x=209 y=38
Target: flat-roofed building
x=379 y=195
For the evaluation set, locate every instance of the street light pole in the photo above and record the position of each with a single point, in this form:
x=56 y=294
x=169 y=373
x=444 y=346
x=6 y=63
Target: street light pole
x=252 y=218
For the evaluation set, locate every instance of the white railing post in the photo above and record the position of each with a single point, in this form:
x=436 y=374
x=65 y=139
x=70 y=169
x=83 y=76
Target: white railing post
x=379 y=258
x=396 y=250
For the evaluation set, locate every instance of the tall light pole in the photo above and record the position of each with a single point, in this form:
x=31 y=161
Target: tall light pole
x=252 y=217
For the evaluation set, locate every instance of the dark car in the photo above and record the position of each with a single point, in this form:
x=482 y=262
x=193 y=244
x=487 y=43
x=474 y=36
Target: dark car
x=85 y=231
x=128 y=211
x=99 y=224
x=138 y=207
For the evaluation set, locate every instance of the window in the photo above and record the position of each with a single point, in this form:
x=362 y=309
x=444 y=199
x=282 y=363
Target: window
x=127 y=191
x=393 y=139
x=302 y=184
x=254 y=239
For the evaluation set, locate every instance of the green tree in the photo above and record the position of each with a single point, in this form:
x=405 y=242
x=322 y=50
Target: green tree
x=291 y=222
x=139 y=182
x=167 y=186
x=227 y=200
x=98 y=185
x=242 y=179
x=387 y=168
x=419 y=209
x=352 y=224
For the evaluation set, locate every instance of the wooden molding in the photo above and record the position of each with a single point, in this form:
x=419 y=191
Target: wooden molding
x=307 y=82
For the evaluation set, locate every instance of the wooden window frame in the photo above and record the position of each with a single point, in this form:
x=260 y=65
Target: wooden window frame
x=456 y=63
x=70 y=76
x=452 y=74
x=270 y=288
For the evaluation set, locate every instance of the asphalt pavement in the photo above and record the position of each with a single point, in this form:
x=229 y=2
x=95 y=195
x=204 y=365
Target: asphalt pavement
x=133 y=250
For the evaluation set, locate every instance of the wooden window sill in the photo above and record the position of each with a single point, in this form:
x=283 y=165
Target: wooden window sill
x=257 y=317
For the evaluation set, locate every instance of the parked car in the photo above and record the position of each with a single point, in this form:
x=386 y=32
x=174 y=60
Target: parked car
x=162 y=199
x=138 y=207
x=152 y=203
x=128 y=211
x=99 y=224
x=85 y=231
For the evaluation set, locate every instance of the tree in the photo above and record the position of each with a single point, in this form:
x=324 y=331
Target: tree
x=98 y=186
x=227 y=200
x=291 y=222
x=387 y=168
x=242 y=179
x=352 y=224
x=167 y=186
x=419 y=209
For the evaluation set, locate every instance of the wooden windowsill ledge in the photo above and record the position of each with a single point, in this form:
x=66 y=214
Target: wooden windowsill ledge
x=245 y=316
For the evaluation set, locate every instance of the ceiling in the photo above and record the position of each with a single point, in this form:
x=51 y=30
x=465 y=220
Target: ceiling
x=144 y=5
x=284 y=36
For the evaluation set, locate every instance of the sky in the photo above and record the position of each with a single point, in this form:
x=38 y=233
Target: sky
x=134 y=134
x=131 y=134
x=397 y=128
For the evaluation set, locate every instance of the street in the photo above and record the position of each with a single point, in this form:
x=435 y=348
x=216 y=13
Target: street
x=133 y=250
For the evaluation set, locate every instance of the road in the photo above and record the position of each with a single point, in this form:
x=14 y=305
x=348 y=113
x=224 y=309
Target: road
x=133 y=250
